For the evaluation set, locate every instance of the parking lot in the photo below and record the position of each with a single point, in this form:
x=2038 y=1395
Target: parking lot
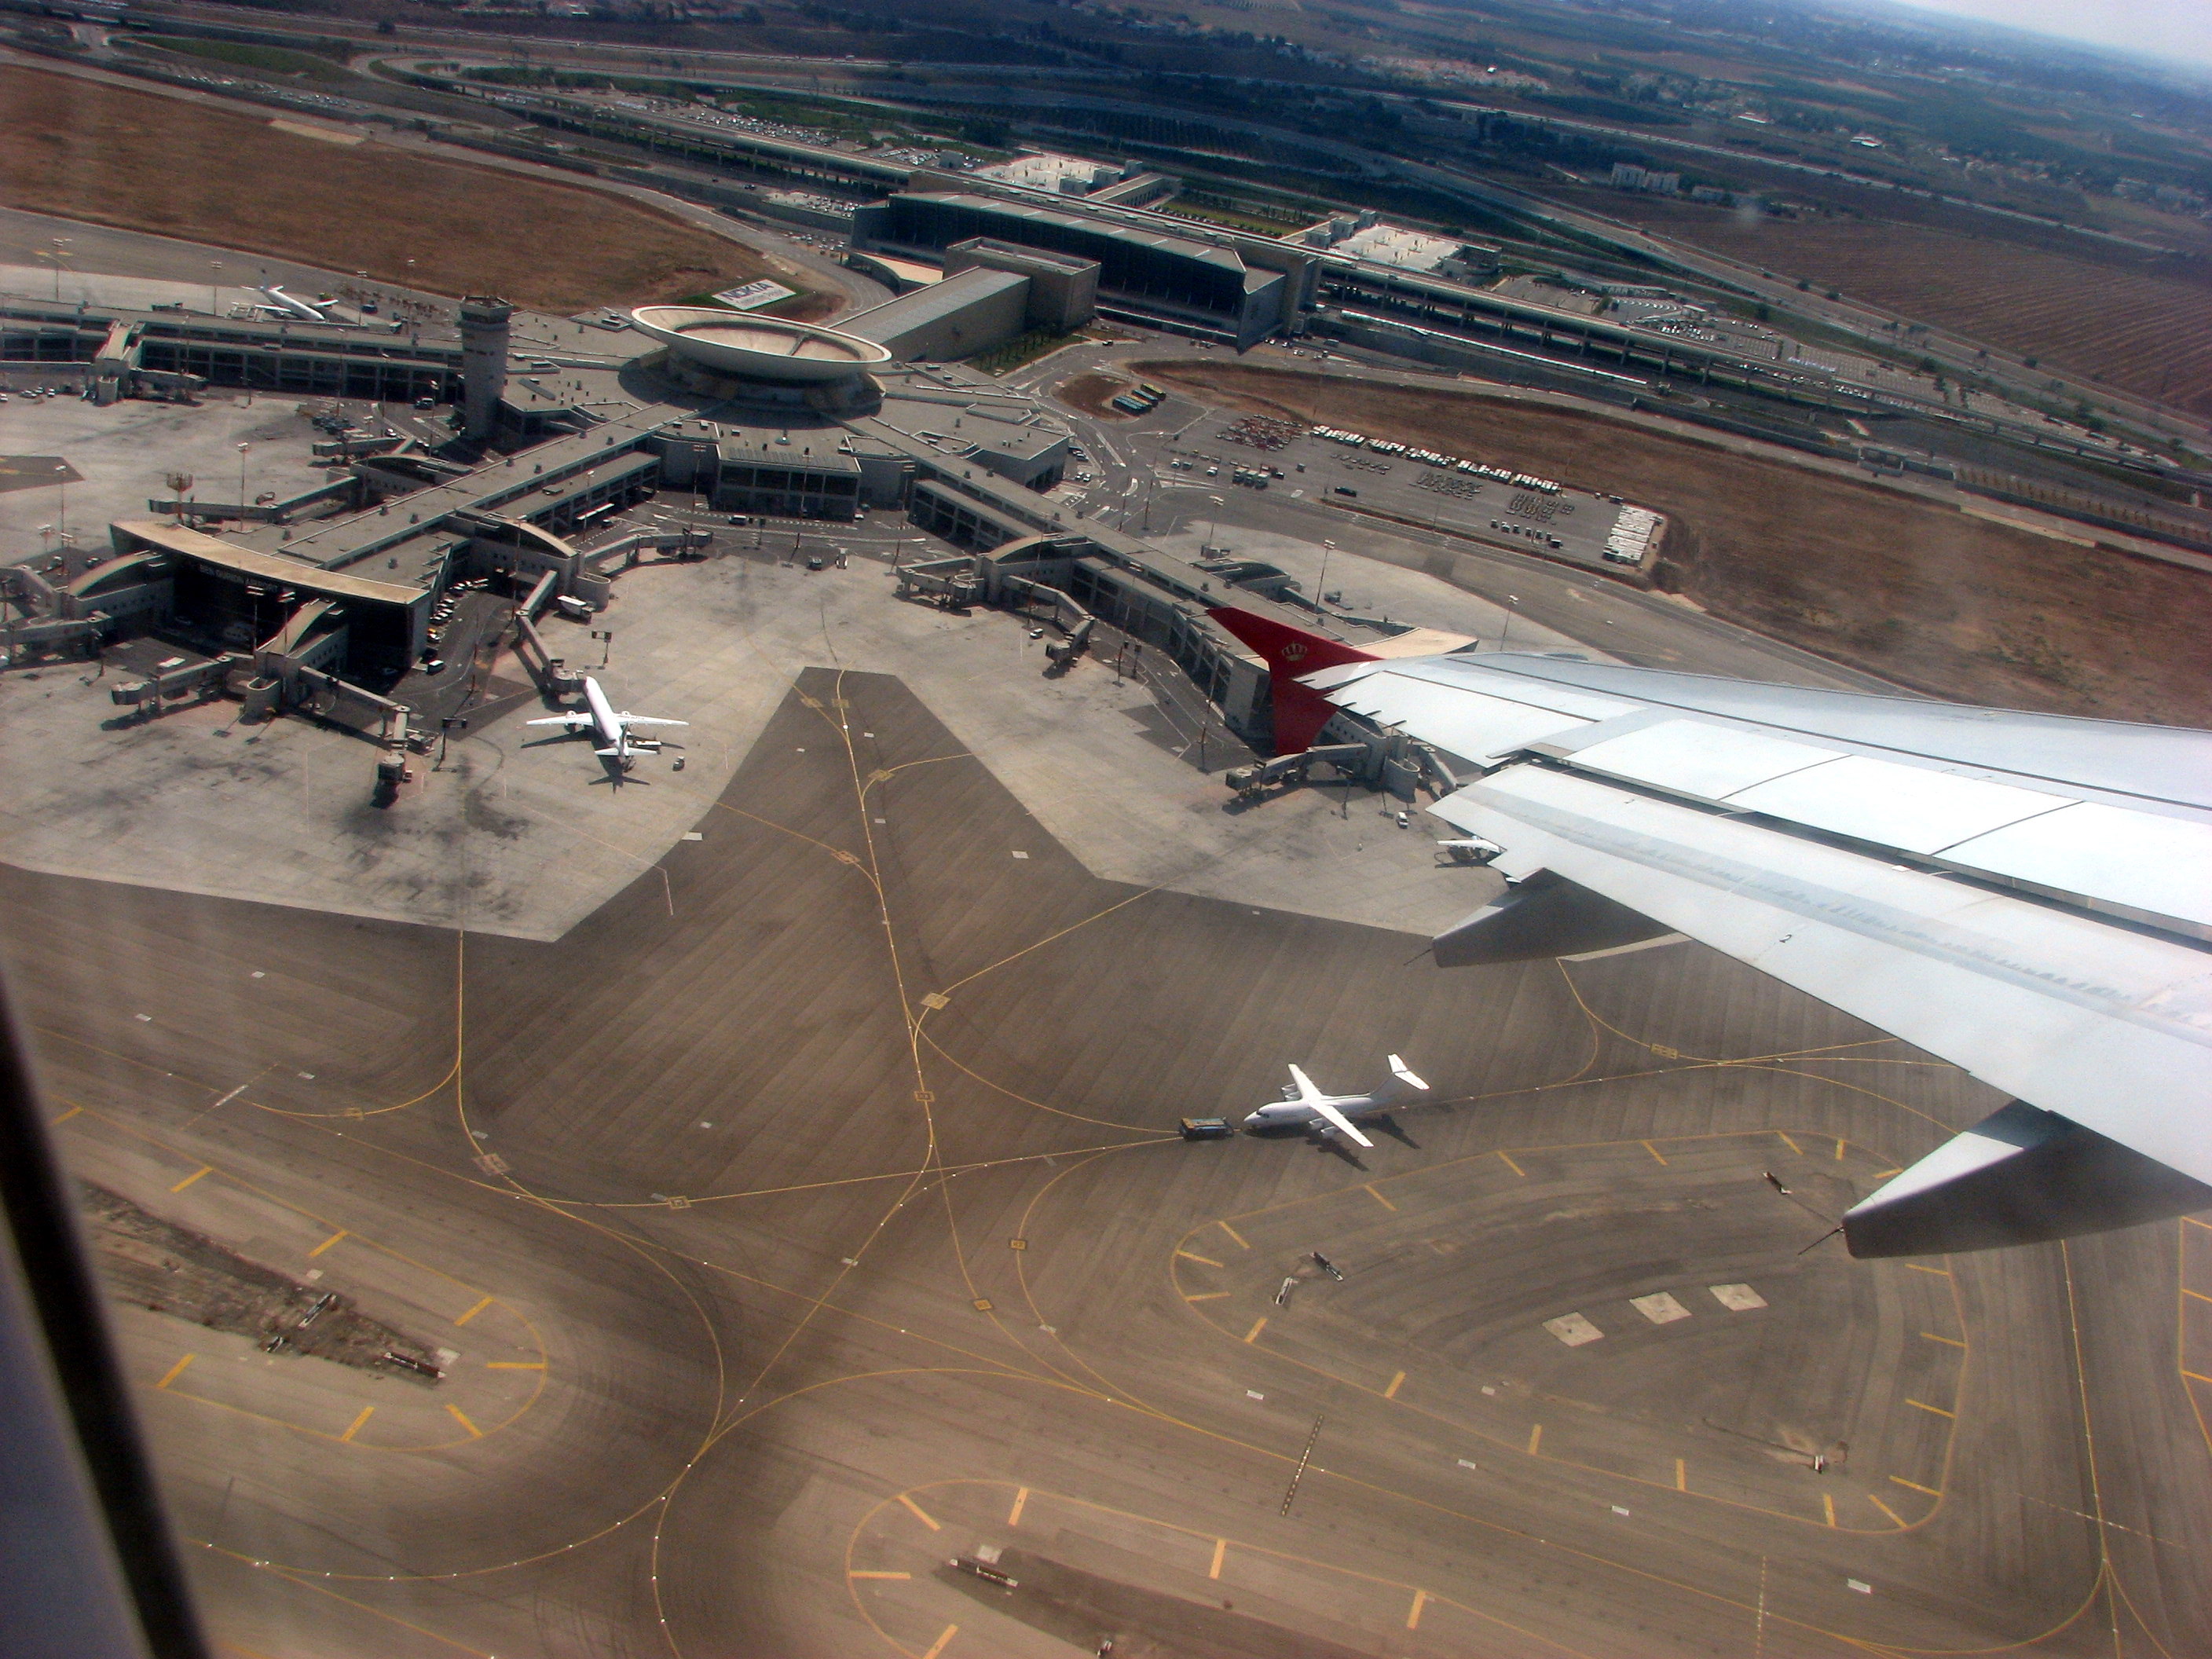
x=1463 y=495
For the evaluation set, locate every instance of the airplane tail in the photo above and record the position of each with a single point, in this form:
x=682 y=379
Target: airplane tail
x=1300 y=711
x=1403 y=1085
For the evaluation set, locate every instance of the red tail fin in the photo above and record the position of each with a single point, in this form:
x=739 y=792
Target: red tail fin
x=1300 y=711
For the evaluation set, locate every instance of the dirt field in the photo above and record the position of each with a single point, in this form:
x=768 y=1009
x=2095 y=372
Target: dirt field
x=142 y=161
x=1090 y=392
x=1929 y=598
x=2149 y=332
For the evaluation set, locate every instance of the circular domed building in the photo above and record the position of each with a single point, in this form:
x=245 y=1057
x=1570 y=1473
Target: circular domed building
x=728 y=354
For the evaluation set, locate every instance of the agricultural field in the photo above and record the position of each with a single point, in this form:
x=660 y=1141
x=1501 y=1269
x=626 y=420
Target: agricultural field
x=141 y=161
x=2124 y=320
x=1925 y=596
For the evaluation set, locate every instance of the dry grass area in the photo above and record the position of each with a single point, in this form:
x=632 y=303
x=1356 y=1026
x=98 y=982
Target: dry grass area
x=141 y=161
x=2125 y=321
x=1927 y=597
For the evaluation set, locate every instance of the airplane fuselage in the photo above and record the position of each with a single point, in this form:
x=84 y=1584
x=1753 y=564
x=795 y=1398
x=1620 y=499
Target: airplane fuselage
x=1290 y=1113
x=606 y=725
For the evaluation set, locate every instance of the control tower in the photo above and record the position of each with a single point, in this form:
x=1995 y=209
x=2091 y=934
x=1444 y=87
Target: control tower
x=484 y=363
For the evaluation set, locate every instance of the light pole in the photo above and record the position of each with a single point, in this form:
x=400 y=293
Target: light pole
x=214 y=282
x=1321 y=588
x=242 y=448
x=1213 y=529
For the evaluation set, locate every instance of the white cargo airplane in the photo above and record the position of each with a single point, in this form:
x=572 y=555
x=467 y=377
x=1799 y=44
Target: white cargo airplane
x=2028 y=897
x=1303 y=1104
x=612 y=730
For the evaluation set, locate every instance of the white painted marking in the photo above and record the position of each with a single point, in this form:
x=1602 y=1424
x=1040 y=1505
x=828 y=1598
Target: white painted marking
x=1738 y=1298
x=1616 y=1510
x=148 y=1018
x=1659 y=1308
x=313 y=1273
x=258 y=974
x=1573 y=1329
x=1486 y=1388
x=1860 y=1585
x=1021 y=855
x=693 y=835
x=1467 y=1464
x=1254 y=1393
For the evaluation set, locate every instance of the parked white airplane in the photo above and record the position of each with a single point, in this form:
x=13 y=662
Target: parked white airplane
x=1303 y=1104
x=612 y=730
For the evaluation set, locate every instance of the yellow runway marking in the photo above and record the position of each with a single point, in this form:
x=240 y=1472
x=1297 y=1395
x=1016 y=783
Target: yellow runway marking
x=1885 y=1509
x=1234 y=1235
x=1925 y=1406
x=1536 y=1438
x=326 y=1243
x=878 y=1575
x=1681 y=1476
x=1258 y=1326
x=1791 y=1144
x=64 y=1117
x=1220 y=1549
x=1206 y=1295
x=2196 y=1376
x=205 y=1169
x=938 y=1646
x=1828 y=1507
x=1203 y=1261
x=1014 y=1515
x=920 y=1513
x=2190 y=1219
x=514 y=1365
x=2199 y=1295
x=461 y=1418
x=1914 y=1485
x=1378 y=1197
x=1654 y=1150
x=1953 y=1341
x=1917 y=1268
x=1511 y=1165
x=1413 y=1613
x=175 y=1372
x=1391 y=1393
x=1839 y=1149
x=355 y=1427
x=474 y=1311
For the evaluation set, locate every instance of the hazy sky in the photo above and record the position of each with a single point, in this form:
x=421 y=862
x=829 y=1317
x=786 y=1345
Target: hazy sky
x=2168 y=28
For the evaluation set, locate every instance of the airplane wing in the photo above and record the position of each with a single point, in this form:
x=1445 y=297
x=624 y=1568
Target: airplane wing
x=647 y=719
x=1337 y=1120
x=2028 y=897
x=1304 y=1084
x=573 y=722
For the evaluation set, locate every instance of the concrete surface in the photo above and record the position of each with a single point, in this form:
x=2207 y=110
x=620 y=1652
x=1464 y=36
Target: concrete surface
x=124 y=452
x=520 y=833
